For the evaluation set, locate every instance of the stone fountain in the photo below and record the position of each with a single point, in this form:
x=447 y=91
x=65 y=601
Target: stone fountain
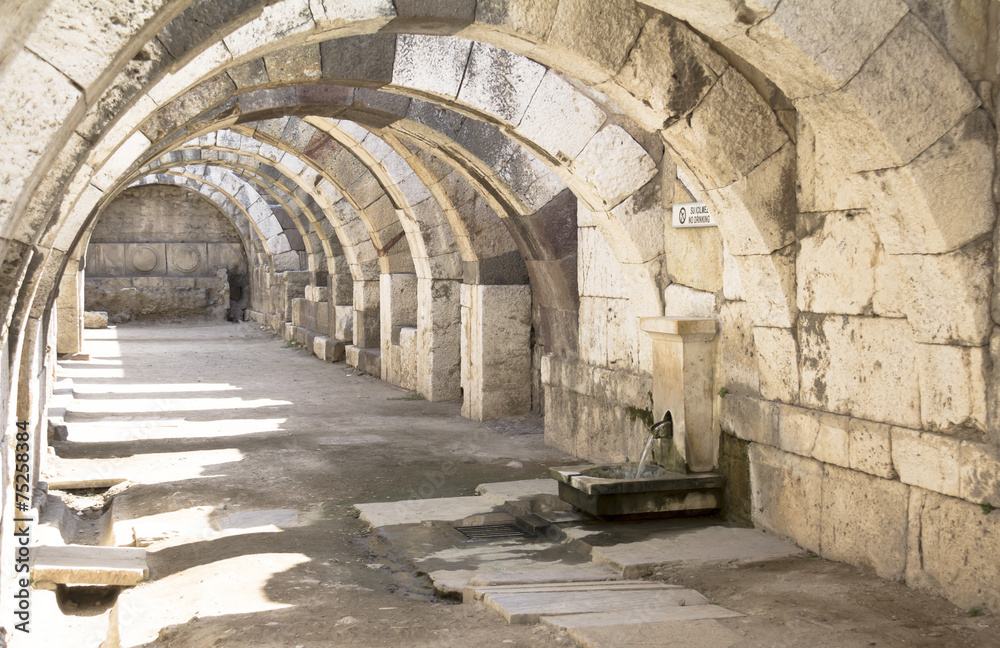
x=680 y=480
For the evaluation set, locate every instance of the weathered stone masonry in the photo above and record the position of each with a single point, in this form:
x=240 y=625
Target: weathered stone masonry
x=473 y=200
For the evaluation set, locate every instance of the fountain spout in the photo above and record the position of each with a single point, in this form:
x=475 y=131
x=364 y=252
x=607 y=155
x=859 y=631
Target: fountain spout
x=665 y=428
x=662 y=430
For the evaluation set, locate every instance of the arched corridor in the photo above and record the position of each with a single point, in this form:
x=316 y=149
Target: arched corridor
x=485 y=203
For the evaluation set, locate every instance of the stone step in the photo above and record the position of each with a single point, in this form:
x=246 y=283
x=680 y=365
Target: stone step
x=86 y=565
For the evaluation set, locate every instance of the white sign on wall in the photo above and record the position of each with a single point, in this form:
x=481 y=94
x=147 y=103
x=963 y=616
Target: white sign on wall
x=694 y=214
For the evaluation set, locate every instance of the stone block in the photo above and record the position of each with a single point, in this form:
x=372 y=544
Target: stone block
x=750 y=419
x=786 y=495
x=682 y=301
x=438 y=341
x=798 y=429
x=351 y=354
x=628 y=225
x=84 y=565
x=732 y=283
x=720 y=19
x=777 y=361
x=832 y=439
x=739 y=369
x=561 y=429
x=891 y=279
x=838 y=353
x=294 y=64
x=959 y=27
x=433 y=64
x=864 y=521
x=953 y=382
x=366 y=60
x=274 y=23
x=615 y=165
x=941 y=200
x=952 y=550
x=594 y=41
x=927 y=460
x=947 y=296
x=594 y=330
x=911 y=90
x=95 y=319
x=560 y=119
x=668 y=72
x=736 y=124
x=695 y=258
x=979 y=472
x=343 y=324
x=835 y=265
x=768 y=283
x=509 y=22
x=599 y=272
x=301 y=336
x=406 y=369
x=83 y=53
x=811 y=46
x=496 y=357
x=370 y=362
x=499 y=82
x=826 y=174
x=870 y=448
x=757 y=211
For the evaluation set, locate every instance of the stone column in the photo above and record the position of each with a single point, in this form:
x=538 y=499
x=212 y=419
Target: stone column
x=398 y=307
x=496 y=351
x=439 y=333
x=341 y=308
x=69 y=309
x=366 y=314
x=683 y=361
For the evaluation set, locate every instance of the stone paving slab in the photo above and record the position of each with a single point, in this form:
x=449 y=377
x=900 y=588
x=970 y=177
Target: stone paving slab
x=80 y=482
x=442 y=509
x=521 y=572
x=86 y=565
x=545 y=573
x=529 y=607
x=478 y=592
x=702 y=633
x=647 y=615
x=708 y=544
x=503 y=492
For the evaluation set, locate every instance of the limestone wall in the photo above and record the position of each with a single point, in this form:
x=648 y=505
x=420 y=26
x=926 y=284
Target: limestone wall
x=402 y=171
x=160 y=251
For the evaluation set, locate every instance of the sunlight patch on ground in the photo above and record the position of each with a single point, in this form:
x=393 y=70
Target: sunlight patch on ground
x=153 y=388
x=227 y=587
x=142 y=405
x=150 y=468
x=127 y=428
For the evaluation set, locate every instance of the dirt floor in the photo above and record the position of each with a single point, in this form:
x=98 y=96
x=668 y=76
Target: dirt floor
x=245 y=454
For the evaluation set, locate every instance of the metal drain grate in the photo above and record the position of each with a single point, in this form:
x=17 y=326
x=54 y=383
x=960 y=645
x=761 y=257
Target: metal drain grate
x=491 y=531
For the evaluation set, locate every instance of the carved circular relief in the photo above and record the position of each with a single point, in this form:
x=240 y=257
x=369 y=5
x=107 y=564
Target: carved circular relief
x=144 y=259
x=187 y=258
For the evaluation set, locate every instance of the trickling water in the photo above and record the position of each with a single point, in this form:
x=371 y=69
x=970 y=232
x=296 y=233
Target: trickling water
x=644 y=457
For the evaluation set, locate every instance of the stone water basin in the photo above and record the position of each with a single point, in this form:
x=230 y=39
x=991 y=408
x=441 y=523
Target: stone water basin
x=611 y=491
